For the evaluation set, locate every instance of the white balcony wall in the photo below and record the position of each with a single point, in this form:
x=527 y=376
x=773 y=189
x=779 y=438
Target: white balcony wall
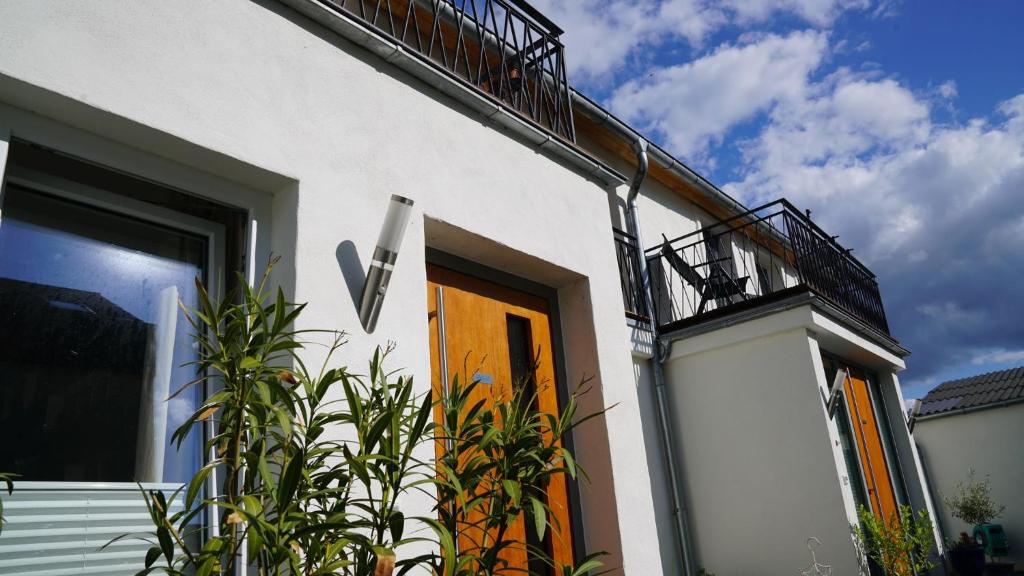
x=760 y=469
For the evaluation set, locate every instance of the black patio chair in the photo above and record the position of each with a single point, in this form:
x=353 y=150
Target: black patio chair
x=719 y=285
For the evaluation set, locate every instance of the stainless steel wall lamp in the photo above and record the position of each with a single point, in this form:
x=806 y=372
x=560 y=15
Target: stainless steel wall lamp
x=384 y=256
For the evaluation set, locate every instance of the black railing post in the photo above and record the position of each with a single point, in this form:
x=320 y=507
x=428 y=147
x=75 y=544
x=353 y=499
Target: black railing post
x=628 y=255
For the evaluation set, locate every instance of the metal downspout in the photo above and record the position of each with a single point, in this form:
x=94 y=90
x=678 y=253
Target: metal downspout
x=657 y=366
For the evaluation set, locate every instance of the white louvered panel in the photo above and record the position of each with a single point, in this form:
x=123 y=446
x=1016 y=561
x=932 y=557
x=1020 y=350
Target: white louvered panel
x=57 y=529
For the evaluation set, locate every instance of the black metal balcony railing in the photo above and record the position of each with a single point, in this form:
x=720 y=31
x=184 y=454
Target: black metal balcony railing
x=630 y=279
x=505 y=48
x=772 y=250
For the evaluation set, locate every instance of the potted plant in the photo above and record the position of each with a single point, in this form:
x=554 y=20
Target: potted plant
x=973 y=504
x=967 y=556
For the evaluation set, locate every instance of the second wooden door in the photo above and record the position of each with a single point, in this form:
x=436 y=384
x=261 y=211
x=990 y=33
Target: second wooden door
x=867 y=435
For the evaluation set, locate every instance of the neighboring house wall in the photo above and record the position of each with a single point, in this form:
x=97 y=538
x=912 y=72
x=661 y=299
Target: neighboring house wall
x=990 y=442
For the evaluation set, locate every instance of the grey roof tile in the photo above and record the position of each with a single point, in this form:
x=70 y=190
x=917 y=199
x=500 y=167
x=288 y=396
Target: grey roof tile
x=975 y=391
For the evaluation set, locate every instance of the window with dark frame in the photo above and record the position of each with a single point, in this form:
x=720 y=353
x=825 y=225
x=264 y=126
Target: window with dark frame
x=93 y=341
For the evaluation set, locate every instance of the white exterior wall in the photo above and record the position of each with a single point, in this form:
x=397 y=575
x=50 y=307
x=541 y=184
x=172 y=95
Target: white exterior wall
x=760 y=467
x=319 y=133
x=989 y=441
x=253 y=105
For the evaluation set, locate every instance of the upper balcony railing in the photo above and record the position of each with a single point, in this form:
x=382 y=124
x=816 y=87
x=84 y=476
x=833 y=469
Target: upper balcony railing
x=505 y=48
x=630 y=278
x=772 y=250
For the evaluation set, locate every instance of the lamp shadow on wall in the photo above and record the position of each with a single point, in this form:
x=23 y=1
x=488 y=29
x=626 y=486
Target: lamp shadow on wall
x=352 y=270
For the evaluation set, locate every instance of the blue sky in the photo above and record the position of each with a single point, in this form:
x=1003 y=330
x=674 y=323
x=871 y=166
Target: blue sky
x=900 y=124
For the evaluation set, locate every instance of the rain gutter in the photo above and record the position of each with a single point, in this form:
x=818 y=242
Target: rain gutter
x=661 y=350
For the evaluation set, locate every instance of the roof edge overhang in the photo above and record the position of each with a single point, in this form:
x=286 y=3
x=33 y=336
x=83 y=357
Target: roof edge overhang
x=803 y=310
x=958 y=411
x=582 y=104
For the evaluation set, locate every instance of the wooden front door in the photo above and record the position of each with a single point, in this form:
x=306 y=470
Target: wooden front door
x=867 y=434
x=498 y=336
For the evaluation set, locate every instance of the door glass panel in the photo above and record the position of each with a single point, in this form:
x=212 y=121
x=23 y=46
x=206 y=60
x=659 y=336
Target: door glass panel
x=853 y=469
x=521 y=358
x=891 y=459
x=520 y=354
x=93 y=343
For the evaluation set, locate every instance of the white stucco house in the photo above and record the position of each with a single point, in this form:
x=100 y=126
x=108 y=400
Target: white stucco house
x=145 y=143
x=976 y=423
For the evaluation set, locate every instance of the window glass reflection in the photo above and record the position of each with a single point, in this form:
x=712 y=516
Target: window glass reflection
x=92 y=343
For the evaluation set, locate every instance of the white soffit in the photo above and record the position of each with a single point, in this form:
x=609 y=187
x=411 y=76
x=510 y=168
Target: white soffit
x=832 y=336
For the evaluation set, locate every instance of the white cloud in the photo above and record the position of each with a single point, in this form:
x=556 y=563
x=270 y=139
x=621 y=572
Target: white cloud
x=604 y=36
x=934 y=209
x=601 y=35
x=845 y=116
x=999 y=357
x=693 y=104
x=816 y=146
x=947 y=89
x=867 y=152
x=818 y=12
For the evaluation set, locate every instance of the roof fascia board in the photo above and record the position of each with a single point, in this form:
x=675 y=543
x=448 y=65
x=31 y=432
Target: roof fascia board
x=670 y=163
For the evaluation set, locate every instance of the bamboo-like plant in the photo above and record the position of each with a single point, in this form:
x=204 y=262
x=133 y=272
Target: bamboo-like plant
x=314 y=462
x=301 y=500
x=495 y=467
x=901 y=544
x=8 y=480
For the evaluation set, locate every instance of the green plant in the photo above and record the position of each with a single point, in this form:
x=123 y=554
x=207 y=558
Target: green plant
x=973 y=502
x=496 y=465
x=901 y=544
x=314 y=462
x=8 y=479
x=301 y=500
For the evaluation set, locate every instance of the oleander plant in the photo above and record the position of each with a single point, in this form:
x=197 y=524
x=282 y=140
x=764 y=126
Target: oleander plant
x=312 y=462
